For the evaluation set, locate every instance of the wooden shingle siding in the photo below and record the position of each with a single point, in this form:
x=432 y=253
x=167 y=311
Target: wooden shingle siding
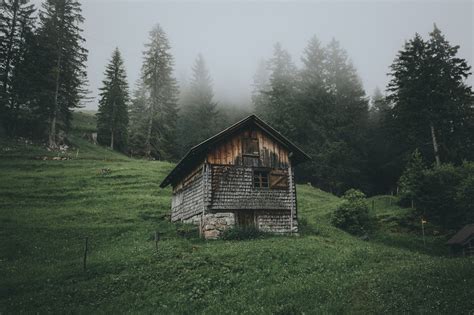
x=276 y=221
x=188 y=201
x=232 y=189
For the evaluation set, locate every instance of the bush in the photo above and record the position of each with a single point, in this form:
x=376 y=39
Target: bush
x=446 y=195
x=242 y=233
x=409 y=182
x=353 y=214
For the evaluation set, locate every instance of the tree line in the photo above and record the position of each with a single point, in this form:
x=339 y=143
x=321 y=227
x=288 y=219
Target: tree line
x=362 y=142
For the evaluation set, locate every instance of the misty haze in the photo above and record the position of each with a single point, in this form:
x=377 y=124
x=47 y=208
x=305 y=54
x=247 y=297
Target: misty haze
x=236 y=157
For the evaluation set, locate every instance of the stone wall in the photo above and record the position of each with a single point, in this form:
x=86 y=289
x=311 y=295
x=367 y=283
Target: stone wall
x=213 y=224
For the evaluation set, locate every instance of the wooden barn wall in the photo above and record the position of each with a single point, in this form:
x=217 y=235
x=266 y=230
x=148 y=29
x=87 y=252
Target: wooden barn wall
x=229 y=152
x=188 y=197
x=233 y=189
x=276 y=221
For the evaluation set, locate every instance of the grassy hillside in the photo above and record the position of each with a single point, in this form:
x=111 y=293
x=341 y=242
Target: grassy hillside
x=49 y=207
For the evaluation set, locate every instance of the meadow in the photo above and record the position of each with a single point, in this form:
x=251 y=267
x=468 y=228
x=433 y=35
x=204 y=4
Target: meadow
x=49 y=207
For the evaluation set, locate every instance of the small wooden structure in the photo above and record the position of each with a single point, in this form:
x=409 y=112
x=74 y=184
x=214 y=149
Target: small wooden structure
x=241 y=176
x=462 y=243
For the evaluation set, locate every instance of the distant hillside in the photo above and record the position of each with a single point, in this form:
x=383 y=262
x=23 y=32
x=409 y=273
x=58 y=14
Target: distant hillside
x=49 y=207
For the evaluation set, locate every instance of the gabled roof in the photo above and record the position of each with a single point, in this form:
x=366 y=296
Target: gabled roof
x=462 y=236
x=197 y=153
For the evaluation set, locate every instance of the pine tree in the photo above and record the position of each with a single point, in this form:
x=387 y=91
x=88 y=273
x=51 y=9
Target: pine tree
x=382 y=153
x=112 y=117
x=63 y=58
x=137 y=127
x=261 y=87
x=432 y=103
x=16 y=28
x=332 y=118
x=411 y=179
x=161 y=97
x=199 y=115
x=282 y=93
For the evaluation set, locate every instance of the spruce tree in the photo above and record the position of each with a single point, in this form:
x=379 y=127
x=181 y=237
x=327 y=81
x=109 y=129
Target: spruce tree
x=112 y=116
x=63 y=61
x=161 y=98
x=432 y=103
x=199 y=116
x=261 y=86
x=282 y=92
x=411 y=179
x=16 y=29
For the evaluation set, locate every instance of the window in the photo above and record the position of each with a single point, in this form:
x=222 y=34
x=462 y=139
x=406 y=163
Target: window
x=260 y=179
x=250 y=146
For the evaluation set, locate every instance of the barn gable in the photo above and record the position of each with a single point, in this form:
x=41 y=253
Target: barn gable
x=227 y=147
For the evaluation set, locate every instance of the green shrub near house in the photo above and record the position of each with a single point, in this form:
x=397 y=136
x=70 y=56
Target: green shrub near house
x=353 y=214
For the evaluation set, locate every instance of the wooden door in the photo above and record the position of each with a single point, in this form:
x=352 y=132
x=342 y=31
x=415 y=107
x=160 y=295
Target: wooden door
x=246 y=218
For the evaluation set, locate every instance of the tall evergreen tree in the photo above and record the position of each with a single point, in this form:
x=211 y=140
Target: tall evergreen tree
x=281 y=95
x=137 y=127
x=382 y=173
x=160 y=93
x=199 y=115
x=63 y=62
x=332 y=119
x=16 y=29
x=261 y=86
x=112 y=117
x=432 y=102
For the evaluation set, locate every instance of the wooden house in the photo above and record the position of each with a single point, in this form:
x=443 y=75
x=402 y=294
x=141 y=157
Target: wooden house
x=462 y=243
x=241 y=176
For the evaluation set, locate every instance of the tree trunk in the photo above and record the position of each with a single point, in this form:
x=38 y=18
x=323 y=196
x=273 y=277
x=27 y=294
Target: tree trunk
x=435 y=144
x=9 y=52
x=148 y=136
x=112 y=139
x=112 y=123
x=52 y=131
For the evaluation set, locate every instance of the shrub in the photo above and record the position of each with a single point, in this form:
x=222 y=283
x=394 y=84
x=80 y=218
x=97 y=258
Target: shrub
x=446 y=195
x=242 y=233
x=353 y=214
x=410 y=181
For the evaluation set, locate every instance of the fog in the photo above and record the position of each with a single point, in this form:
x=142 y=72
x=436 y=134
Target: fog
x=235 y=36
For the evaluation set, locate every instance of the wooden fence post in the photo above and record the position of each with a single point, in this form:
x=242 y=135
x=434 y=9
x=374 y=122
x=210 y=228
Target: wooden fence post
x=85 y=253
x=157 y=238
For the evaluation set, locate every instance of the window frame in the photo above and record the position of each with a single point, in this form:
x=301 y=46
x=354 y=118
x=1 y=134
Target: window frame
x=261 y=174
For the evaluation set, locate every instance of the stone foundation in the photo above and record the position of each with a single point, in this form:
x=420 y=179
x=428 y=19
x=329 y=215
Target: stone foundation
x=213 y=224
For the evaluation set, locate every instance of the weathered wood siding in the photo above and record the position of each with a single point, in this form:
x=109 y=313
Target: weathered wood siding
x=188 y=197
x=229 y=152
x=275 y=221
x=232 y=189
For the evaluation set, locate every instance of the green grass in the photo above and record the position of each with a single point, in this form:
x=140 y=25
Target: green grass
x=47 y=208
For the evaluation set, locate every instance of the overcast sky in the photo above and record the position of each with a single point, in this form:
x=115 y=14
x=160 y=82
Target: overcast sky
x=234 y=36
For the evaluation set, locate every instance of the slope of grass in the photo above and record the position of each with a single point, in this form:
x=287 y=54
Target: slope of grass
x=47 y=208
